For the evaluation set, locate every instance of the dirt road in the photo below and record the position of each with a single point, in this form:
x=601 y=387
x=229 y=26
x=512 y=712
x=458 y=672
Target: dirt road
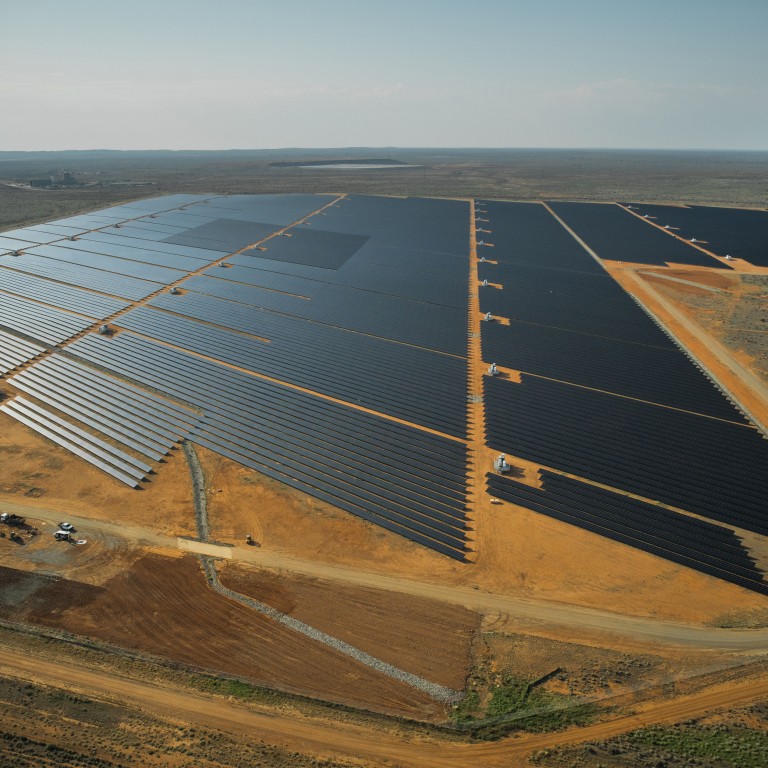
x=732 y=368
x=525 y=612
x=346 y=740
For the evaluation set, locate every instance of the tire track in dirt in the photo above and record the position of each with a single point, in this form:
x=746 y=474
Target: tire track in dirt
x=377 y=747
x=528 y=611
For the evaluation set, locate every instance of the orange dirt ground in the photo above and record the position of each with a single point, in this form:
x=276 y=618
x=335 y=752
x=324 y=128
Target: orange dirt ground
x=752 y=393
x=163 y=606
x=428 y=638
x=35 y=471
x=360 y=742
x=518 y=552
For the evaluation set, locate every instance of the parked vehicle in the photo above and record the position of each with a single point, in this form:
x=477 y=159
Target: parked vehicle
x=10 y=519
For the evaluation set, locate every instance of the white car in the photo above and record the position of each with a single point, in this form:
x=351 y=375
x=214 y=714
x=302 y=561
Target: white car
x=66 y=527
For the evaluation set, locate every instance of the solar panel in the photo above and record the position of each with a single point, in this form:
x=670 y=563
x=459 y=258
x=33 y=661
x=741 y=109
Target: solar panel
x=71 y=444
x=682 y=539
x=616 y=234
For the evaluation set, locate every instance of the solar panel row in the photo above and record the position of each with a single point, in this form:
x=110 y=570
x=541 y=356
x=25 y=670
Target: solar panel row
x=418 y=224
x=708 y=466
x=38 y=321
x=679 y=538
x=59 y=295
x=9 y=244
x=409 y=282
x=137 y=254
x=115 y=237
x=592 y=314
x=736 y=232
x=402 y=478
x=615 y=234
x=85 y=277
x=390 y=378
x=135 y=418
x=15 y=351
x=89 y=449
x=314 y=247
x=572 y=322
x=431 y=326
x=111 y=264
x=663 y=376
x=526 y=233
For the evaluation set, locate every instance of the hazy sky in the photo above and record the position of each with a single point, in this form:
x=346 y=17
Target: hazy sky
x=211 y=74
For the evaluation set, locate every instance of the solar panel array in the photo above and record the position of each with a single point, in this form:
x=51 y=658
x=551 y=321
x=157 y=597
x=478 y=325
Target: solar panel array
x=314 y=248
x=615 y=234
x=407 y=480
x=645 y=372
x=113 y=461
x=38 y=321
x=572 y=322
x=129 y=415
x=682 y=539
x=736 y=232
x=716 y=468
x=332 y=358
x=68 y=297
x=596 y=370
x=348 y=366
x=14 y=351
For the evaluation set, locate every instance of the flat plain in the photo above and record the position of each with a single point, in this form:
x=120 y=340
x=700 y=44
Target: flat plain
x=522 y=627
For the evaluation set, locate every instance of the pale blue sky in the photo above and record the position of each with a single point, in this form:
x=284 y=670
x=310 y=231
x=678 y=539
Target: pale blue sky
x=217 y=74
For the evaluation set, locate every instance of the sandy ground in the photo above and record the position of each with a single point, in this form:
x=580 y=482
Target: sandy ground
x=735 y=314
x=518 y=552
x=346 y=740
x=734 y=373
x=33 y=470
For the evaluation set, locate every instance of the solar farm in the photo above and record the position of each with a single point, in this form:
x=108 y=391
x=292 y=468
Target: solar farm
x=351 y=369
x=323 y=341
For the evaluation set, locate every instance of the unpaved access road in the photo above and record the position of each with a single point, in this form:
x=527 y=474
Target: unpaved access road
x=524 y=611
x=757 y=388
x=346 y=740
